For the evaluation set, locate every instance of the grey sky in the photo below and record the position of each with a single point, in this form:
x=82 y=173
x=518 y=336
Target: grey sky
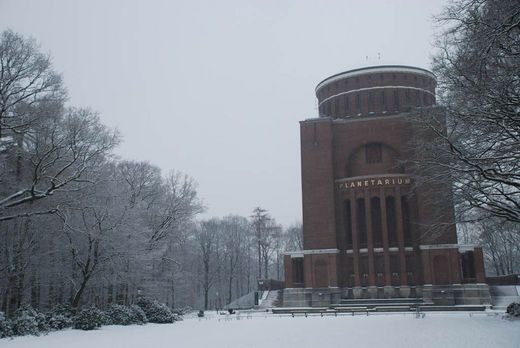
x=215 y=89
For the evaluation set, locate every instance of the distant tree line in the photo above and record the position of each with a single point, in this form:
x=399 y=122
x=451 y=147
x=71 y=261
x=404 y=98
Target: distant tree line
x=79 y=226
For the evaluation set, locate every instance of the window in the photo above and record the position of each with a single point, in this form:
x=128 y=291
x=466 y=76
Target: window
x=371 y=99
x=377 y=227
x=328 y=109
x=373 y=153
x=347 y=104
x=405 y=211
x=361 y=222
x=358 y=101
x=383 y=101
x=396 y=97
x=297 y=264
x=407 y=95
x=391 y=222
x=336 y=106
x=348 y=222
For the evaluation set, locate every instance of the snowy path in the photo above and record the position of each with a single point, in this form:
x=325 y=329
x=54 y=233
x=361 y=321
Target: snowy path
x=397 y=330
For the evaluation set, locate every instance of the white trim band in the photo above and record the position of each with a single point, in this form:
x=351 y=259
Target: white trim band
x=375 y=87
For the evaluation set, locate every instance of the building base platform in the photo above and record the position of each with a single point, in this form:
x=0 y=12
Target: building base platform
x=438 y=295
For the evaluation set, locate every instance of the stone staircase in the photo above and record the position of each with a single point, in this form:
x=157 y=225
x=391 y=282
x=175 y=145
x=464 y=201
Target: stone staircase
x=399 y=305
x=380 y=304
x=272 y=299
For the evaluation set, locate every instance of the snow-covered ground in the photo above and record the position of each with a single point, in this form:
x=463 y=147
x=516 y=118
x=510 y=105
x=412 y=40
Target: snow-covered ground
x=262 y=330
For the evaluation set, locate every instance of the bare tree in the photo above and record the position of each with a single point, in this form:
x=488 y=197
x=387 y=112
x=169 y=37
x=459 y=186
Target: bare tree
x=501 y=241
x=477 y=131
x=294 y=235
x=206 y=236
x=259 y=220
x=56 y=157
x=234 y=234
x=27 y=81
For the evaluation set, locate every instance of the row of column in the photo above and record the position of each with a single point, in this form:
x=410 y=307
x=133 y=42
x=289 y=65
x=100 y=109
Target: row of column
x=370 y=238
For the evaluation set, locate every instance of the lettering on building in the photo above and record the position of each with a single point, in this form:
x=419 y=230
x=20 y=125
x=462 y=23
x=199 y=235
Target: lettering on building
x=374 y=182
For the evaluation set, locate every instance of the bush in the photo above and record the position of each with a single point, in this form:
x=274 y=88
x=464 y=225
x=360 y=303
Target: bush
x=58 y=321
x=155 y=311
x=513 y=309
x=60 y=317
x=65 y=310
x=28 y=321
x=138 y=315
x=6 y=328
x=120 y=315
x=89 y=319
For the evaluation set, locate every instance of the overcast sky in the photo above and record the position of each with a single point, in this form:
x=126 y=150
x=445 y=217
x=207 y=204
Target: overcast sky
x=215 y=89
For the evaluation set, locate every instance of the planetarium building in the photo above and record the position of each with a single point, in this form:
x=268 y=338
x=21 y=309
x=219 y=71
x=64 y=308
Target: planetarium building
x=370 y=231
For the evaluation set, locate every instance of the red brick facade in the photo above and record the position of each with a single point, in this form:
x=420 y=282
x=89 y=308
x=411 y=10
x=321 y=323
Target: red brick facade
x=365 y=225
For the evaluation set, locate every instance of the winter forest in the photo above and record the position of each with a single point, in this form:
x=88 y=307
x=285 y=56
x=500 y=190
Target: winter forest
x=80 y=226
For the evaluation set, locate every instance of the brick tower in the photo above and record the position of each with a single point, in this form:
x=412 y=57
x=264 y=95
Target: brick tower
x=368 y=230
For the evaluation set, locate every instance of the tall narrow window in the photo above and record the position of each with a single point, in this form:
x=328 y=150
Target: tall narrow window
x=348 y=222
x=396 y=97
x=373 y=153
x=297 y=264
x=383 y=100
x=407 y=95
x=405 y=209
x=377 y=228
x=361 y=222
x=468 y=264
x=347 y=104
x=390 y=220
x=336 y=106
x=329 y=113
x=358 y=101
x=371 y=99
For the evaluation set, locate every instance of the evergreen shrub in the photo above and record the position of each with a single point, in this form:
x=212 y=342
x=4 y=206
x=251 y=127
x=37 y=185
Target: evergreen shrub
x=28 y=321
x=155 y=311
x=6 y=328
x=120 y=315
x=89 y=318
x=138 y=315
x=513 y=309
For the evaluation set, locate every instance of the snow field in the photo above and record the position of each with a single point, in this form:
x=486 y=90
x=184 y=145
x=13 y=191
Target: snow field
x=260 y=330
